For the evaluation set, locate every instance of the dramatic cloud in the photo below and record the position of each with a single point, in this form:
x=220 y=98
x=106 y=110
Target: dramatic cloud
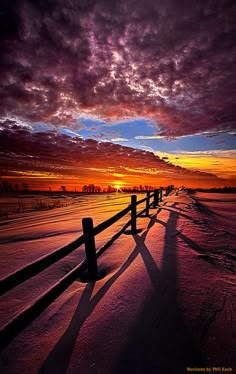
x=171 y=61
x=46 y=158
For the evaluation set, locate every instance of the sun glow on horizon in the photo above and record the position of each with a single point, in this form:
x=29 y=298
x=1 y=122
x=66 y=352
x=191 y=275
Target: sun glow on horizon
x=118 y=187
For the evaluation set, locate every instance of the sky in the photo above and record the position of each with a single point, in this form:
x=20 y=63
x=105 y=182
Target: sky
x=118 y=93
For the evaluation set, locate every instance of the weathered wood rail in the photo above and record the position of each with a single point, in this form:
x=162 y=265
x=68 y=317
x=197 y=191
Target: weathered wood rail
x=89 y=264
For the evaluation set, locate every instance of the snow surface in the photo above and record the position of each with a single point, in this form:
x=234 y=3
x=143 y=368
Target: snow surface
x=166 y=300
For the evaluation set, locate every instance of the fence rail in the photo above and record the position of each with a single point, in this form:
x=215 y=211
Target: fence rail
x=23 y=318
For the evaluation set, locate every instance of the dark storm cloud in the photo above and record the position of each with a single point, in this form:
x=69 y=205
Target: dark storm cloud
x=172 y=61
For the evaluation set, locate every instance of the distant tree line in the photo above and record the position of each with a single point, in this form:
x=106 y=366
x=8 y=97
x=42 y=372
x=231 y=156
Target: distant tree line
x=7 y=187
x=215 y=189
x=92 y=188
x=219 y=190
x=139 y=188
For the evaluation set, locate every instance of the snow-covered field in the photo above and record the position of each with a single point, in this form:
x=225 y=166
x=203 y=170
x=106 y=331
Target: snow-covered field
x=166 y=300
x=26 y=236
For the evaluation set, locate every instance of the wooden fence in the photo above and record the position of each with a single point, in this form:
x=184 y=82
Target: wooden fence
x=89 y=264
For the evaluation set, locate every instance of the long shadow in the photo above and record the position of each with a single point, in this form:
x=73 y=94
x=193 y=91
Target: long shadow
x=160 y=342
x=187 y=240
x=164 y=284
x=180 y=214
x=58 y=359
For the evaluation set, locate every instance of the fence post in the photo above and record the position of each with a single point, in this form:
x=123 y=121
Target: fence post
x=133 y=222
x=147 y=203
x=133 y=213
x=156 y=198
x=90 y=248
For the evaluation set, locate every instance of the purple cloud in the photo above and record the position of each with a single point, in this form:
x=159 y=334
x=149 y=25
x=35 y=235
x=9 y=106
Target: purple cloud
x=173 y=62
